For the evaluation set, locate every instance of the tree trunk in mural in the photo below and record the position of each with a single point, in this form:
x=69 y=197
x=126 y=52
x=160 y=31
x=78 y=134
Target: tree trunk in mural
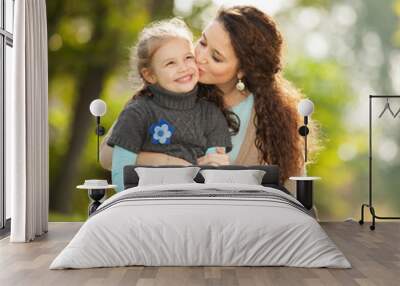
x=91 y=86
x=101 y=54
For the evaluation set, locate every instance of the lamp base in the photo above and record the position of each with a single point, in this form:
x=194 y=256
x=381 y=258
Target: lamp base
x=95 y=195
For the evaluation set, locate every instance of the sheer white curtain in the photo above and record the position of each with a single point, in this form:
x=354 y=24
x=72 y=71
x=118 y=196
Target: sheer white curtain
x=27 y=144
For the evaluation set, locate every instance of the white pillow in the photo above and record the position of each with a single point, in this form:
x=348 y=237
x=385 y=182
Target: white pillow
x=164 y=176
x=248 y=177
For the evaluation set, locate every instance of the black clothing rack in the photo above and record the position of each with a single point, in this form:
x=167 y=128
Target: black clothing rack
x=370 y=205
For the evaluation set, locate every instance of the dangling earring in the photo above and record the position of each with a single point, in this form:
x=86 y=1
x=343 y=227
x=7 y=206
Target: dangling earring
x=240 y=85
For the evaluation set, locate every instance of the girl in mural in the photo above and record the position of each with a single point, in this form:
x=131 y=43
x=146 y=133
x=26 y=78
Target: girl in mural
x=166 y=115
x=239 y=57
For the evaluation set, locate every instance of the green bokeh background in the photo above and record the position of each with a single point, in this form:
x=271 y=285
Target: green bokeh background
x=337 y=53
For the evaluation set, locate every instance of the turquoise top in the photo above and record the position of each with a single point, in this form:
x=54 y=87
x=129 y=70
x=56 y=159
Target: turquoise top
x=243 y=110
x=120 y=158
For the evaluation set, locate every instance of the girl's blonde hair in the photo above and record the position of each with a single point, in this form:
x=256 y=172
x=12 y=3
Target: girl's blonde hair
x=150 y=39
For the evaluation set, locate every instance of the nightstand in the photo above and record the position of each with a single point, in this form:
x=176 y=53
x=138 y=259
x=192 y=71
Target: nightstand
x=304 y=190
x=96 y=190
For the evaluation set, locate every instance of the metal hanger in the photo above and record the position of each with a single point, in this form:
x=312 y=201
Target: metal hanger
x=387 y=107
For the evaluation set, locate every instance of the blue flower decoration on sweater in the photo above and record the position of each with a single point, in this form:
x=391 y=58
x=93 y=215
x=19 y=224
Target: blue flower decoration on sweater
x=161 y=132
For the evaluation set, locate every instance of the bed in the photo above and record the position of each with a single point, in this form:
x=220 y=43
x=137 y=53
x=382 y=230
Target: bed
x=201 y=224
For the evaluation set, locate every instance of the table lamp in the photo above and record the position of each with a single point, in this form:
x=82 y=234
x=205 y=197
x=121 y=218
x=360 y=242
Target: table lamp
x=305 y=108
x=98 y=108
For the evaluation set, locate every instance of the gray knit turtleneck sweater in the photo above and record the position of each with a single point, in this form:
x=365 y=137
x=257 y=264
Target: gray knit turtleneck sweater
x=178 y=124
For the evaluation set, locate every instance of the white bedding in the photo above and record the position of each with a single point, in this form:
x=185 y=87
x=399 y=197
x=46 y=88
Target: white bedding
x=189 y=230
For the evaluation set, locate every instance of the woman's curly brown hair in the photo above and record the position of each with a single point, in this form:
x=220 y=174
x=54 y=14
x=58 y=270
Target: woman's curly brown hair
x=258 y=46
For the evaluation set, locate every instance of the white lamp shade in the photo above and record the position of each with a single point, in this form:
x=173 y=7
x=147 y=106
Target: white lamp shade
x=98 y=107
x=306 y=107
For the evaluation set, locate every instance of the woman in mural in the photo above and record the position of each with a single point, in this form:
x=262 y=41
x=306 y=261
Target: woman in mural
x=239 y=57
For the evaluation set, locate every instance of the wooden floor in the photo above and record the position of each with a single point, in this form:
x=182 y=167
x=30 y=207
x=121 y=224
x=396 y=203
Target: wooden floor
x=374 y=255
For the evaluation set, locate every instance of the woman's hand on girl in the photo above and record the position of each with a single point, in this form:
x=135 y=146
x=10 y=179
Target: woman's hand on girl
x=215 y=159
